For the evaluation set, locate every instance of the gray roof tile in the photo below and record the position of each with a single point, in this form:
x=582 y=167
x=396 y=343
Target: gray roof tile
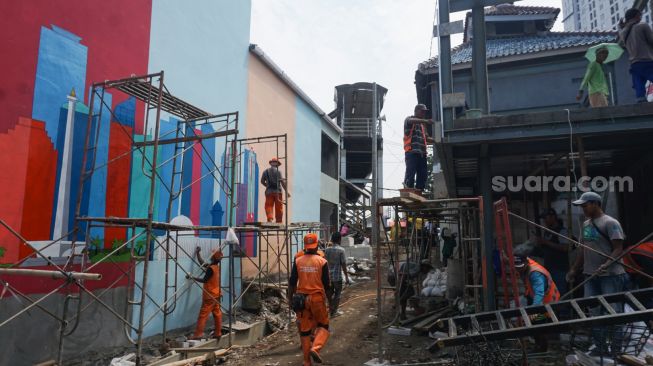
x=503 y=47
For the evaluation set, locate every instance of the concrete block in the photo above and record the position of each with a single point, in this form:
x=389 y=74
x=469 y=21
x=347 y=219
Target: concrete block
x=359 y=251
x=447 y=29
x=453 y=100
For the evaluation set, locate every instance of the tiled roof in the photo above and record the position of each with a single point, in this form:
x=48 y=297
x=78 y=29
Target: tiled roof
x=511 y=46
x=509 y=9
x=515 y=11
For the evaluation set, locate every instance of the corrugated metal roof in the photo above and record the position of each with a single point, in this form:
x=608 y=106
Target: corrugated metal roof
x=531 y=44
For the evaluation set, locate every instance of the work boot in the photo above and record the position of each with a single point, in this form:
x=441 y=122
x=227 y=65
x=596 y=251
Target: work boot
x=321 y=337
x=306 y=349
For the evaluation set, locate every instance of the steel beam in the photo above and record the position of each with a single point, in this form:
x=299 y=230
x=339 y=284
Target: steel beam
x=444 y=64
x=479 y=61
x=52 y=274
x=485 y=180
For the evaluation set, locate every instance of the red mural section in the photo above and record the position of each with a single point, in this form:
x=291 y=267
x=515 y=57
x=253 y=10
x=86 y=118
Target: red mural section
x=98 y=22
x=39 y=183
x=28 y=163
x=112 y=274
x=117 y=203
x=14 y=151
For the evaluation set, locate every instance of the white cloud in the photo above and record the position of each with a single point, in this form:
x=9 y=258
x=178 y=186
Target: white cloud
x=321 y=44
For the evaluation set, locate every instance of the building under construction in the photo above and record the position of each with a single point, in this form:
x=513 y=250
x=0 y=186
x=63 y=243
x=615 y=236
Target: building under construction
x=487 y=135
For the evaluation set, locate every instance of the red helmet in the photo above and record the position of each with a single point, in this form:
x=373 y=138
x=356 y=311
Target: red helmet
x=275 y=160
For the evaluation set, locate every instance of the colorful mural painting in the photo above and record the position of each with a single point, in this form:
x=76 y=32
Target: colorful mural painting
x=44 y=146
x=60 y=54
x=66 y=45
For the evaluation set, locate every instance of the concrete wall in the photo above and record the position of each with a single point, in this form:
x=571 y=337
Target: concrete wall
x=544 y=84
x=329 y=189
x=307 y=171
x=273 y=108
x=271 y=111
x=33 y=337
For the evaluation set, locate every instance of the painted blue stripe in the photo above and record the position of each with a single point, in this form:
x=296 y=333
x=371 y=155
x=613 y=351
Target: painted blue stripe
x=98 y=191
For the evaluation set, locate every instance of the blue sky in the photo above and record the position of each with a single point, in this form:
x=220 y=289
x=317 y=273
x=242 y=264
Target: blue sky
x=321 y=44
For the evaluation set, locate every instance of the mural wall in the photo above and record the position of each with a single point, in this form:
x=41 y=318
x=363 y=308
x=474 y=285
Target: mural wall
x=63 y=46
x=58 y=49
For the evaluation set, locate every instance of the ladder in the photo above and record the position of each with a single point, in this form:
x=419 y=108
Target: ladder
x=504 y=243
x=516 y=323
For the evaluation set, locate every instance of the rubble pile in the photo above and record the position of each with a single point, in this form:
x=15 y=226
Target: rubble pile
x=265 y=303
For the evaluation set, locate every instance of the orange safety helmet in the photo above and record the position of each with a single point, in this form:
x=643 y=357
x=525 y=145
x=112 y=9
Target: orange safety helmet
x=275 y=160
x=217 y=254
x=310 y=241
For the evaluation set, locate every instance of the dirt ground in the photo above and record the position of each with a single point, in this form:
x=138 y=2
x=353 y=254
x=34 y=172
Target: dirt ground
x=353 y=338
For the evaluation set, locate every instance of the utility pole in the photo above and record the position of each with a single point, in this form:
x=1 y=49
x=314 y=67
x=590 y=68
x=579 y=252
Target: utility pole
x=375 y=221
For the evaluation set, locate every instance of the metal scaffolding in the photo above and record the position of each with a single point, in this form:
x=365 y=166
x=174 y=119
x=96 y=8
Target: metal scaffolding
x=414 y=245
x=147 y=236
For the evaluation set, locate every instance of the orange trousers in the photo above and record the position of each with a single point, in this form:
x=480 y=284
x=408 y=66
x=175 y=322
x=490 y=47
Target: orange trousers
x=274 y=206
x=314 y=314
x=209 y=306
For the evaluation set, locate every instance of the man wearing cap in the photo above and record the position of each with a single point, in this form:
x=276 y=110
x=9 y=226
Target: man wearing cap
x=555 y=250
x=415 y=142
x=308 y=284
x=273 y=181
x=210 y=294
x=337 y=259
x=604 y=234
x=540 y=289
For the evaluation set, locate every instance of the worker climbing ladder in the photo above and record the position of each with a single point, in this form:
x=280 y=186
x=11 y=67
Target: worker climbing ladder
x=504 y=244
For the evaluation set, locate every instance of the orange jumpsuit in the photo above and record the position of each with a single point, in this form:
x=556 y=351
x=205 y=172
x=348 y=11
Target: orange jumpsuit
x=310 y=275
x=210 y=303
x=274 y=206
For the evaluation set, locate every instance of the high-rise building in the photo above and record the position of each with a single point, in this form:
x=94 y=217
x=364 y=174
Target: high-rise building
x=587 y=15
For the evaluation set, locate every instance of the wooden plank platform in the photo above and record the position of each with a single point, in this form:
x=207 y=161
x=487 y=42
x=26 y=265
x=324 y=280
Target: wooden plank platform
x=412 y=195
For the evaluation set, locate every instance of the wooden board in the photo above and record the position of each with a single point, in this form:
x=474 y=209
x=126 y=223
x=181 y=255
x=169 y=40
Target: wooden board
x=412 y=195
x=427 y=323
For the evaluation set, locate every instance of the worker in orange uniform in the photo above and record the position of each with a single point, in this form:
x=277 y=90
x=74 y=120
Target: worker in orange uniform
x=300 y=253
x=273 y=181
x=211 y=294
x=641 y=258
x=309 y=281
x=540 y=289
